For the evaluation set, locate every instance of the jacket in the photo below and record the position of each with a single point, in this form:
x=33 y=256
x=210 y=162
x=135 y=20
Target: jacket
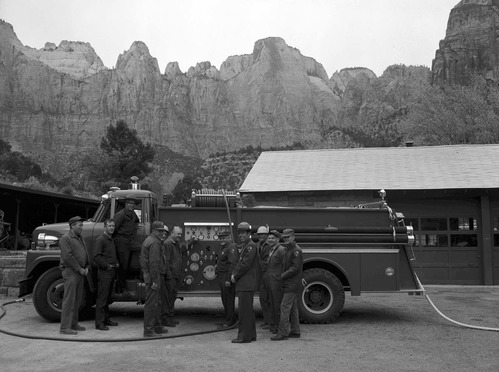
x=293 y=269
x=73 y=252
x=151 y=261
x=246 y=271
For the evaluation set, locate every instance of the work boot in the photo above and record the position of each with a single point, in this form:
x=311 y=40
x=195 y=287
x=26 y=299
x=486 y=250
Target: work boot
x=109 y=322
x=78 y=327
x=279 y=338
x=102 y=327
x=161 y=329
x=294 y=335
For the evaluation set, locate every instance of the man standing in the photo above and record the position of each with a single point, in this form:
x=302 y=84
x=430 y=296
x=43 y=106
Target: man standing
x=289 y=324
x=126 y=221
x=263 y=285
x=151 y=264
x=245 y=276
x=173 y=251
x=75 y=265
x=274 y=271
x=226 y=262
x=105 y=259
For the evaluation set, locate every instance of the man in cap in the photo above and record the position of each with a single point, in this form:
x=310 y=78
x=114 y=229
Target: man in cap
x=263 y=282
x=106 y=261
x=126 y=221
x=289 y=324
x=226 y=262
x=151 y=263
x=74 y=264
x=173 y=256
x=274 y=271
x=245 y=276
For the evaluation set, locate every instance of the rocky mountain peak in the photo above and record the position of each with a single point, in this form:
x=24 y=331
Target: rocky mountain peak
x=137 y=59
x=75 y=58
x=204 y=69
x=340 y=80
x=470 y=45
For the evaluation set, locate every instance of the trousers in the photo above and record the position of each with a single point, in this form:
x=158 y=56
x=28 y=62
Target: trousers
x=290 y=321
x=73 y=293
x=104 y=292
x=247 y=326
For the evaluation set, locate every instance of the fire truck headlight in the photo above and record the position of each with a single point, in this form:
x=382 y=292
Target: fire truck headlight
x=45 y=241
x=389 y=271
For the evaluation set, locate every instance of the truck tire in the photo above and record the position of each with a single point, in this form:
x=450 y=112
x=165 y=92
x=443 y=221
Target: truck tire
x=49 y=292
x=321 y=300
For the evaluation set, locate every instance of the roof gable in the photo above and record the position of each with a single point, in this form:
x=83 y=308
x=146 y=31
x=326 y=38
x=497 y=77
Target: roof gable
x=393 y=168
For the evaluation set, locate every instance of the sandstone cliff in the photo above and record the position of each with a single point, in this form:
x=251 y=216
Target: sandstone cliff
x=471 y=43
x=63 y=97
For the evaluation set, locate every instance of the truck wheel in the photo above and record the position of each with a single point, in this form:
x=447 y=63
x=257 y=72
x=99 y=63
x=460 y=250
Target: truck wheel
x=49 y=292
x=323 y=297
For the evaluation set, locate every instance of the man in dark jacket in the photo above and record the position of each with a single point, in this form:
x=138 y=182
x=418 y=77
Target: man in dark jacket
x=107 y=263
x=174 y=250
x=276 y=259
x=289 y=324
x=263 y=248
x=226 y=262
x=245 y=276
x=151 y=262
x=74 y=264
x=126 y=221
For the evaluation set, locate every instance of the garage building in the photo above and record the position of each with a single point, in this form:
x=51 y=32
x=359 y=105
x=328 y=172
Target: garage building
x=450 y=195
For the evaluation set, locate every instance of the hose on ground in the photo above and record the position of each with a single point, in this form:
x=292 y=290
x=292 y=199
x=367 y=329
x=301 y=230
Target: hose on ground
x=451 y=320
x=132 y=339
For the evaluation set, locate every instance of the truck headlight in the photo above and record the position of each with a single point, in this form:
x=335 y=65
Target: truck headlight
x=46 y=241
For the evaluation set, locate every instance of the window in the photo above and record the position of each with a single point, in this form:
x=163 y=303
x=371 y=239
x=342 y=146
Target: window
x=433 y=224
x=463 y=224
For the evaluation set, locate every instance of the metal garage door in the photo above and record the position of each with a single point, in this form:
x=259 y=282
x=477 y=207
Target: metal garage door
x=447 y=240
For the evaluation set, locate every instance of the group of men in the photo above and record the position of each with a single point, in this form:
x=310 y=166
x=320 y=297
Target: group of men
x=267 y=266
x=277 y=272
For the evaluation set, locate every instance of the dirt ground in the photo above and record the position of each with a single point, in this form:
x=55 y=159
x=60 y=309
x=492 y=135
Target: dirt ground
x=375 y=332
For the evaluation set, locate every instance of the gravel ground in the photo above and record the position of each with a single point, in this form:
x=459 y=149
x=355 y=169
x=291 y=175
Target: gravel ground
x=375 y=332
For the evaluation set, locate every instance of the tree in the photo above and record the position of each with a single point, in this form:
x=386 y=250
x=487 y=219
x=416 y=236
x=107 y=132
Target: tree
x=123 y=155
x=183 y=189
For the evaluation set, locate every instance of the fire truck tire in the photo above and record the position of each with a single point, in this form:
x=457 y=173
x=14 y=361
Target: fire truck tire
x=48 y=294
x=323 y=297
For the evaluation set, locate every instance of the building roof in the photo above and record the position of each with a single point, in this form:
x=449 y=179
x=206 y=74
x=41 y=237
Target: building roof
x=392 y=168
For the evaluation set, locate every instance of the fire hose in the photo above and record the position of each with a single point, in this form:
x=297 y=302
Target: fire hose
x=449 y=319
x=132 y=339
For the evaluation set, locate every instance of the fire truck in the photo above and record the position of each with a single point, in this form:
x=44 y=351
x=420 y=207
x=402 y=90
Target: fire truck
x=361 y=249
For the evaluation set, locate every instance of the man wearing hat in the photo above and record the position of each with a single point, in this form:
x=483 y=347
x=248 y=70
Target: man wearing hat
x=74 y=264
x=152 y=264
x=105 y=259
x=263 y=282
x=126 y=221
x=289 y=324
x=245 y=275
x=226 y=262
x=274 y=271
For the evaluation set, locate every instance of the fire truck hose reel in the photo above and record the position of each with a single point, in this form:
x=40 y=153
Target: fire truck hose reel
x=132 y=339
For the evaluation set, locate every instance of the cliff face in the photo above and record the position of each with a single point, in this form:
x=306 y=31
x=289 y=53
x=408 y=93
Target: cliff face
x=63 y=97
x=471 y=43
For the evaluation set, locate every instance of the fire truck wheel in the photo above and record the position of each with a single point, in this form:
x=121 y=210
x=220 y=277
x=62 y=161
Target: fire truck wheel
x=48 y=294
x=323 y=297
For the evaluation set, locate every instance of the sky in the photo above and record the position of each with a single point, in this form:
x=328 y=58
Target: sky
x=336 y=33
